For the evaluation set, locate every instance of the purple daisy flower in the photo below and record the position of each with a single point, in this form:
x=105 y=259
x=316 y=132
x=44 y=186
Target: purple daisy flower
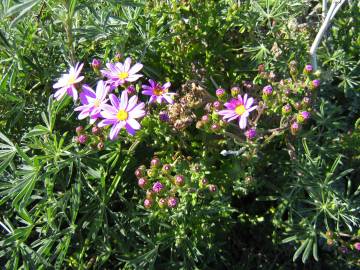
x=119 y=73
x=238 y=108
x=92 y=101
x=158 y=92
x=66 y=83
x=122 y=114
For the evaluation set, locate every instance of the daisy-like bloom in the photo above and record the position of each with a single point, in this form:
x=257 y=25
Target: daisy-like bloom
x=238 y=108
x=92 y=101
x=158 y=92
x=122 y=113
x=66 y=84
x=119 y=73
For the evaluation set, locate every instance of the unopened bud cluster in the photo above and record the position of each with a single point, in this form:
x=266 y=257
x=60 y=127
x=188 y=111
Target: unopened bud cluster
x=165 y=187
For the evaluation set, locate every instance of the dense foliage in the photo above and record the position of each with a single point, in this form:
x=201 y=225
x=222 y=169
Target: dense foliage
x=223 y=149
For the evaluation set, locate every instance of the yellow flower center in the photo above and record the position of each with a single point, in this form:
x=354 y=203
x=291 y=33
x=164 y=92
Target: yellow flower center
x=123 y=75
x=240 y=109
x=71 y=79
x=158 y=91
x=96 y=103
x=122 y=115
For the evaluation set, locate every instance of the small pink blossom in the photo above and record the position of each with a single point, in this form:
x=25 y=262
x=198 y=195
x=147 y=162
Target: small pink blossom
x=239 y=108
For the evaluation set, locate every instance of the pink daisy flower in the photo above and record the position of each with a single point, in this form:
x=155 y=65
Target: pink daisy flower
x=66 y=84
x=122 y=113
x=158 y=92
x=119 y=73
x=92 y=101
x=238 y=108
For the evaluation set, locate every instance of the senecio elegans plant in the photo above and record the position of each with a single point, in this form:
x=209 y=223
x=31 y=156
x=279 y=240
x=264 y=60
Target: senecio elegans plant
x=180 y=203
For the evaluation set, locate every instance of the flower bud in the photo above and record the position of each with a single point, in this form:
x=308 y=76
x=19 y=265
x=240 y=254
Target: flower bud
x=95 y=130
x=308 y=69
x=148 y=203
x=139 y=172
x=164 y=116
x=293 y=65
x=357 y=246
x=205 y=118
x=220 y=92
x=155 y=162
x=79 y=129
x=215 y=127
x=235 y=91
x=286 y=109
x=142 y=182
x=267 y=90
x=96 y=64
x=118 y=57
x=329 y=234
x=162 y=203
x=306 y=101
x=157 y=187
x=179 y=180
x=217 y=105
x=297 y=105
x=303 y=116
x=330 y=242
x=172 y=202
x=314 y=84
x=131 y=90
x=250 y=133
x=261 y=68
x=150 y=194
x=199 y=124
x=272 y=76
x=295 y=127
x=248 y=85
x=203 y=182
x=100 y=146
x=82 y=139
x=151 y=172
x=166 y=168
x=212 y=188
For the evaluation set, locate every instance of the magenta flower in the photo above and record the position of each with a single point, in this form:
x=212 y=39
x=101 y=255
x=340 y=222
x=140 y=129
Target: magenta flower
x=158 y=92
x=357 y=246
x=92 y=101
x=250 y=133
x=119 y=73
x=172 y=202
x=238 y=108
x=122 y=114
x=66 y=83
x=157 y=187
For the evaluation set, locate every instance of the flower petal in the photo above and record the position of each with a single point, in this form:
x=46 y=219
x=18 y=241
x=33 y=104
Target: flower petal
x=107 y=122
x=243 y=121
x=115 y=129
x=136 y=68
x=123 y=100
x=132 y=103
x=133 y=123
x=114 y=101
x=127 y=64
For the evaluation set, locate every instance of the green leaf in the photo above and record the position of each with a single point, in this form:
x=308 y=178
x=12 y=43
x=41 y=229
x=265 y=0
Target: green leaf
x=307 y=250
x=289 y=239
x=22 y=8
x=37 y=131
x=300 y=249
